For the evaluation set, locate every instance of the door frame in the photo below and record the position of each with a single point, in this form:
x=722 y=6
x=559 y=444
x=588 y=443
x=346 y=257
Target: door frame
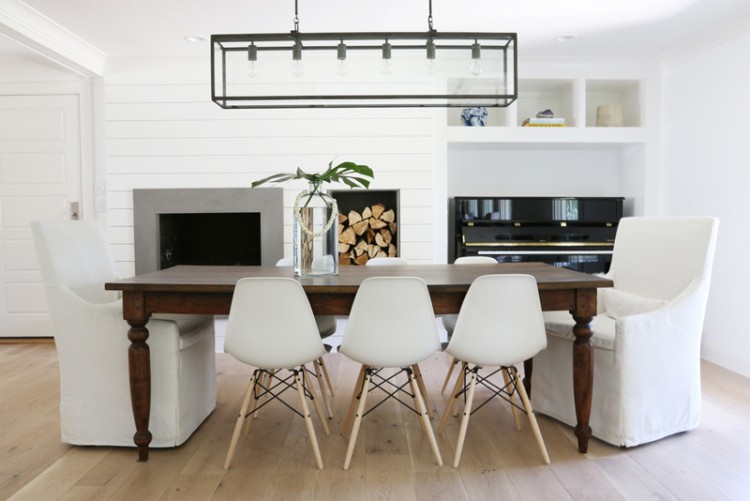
x=91 y=147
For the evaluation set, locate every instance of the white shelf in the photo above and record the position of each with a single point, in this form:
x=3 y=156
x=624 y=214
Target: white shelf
x=536 y=135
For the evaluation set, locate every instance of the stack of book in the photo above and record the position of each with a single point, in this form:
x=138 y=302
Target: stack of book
x=543 y=122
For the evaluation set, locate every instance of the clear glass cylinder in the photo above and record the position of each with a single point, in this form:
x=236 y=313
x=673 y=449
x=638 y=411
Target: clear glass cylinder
x=316 y=234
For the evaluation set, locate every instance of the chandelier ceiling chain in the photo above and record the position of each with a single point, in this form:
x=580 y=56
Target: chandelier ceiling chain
x=296 y=17
x=415 y=69
x=429 y=17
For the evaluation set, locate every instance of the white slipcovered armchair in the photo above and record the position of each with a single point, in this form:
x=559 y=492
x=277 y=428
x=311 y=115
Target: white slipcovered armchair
x=92 y=346
x=646 y=338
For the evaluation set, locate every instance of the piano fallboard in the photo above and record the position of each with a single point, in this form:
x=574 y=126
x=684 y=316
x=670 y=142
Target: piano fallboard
x=576 y=233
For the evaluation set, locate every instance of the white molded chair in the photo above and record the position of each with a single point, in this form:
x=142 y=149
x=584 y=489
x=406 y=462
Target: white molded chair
x=449 y=321
x=646 y=337
x=271 y=327
x=327 y=328
x=402 y=261
x=500 y=324
x=399 y=333
x=92 y=346
x=387 y=261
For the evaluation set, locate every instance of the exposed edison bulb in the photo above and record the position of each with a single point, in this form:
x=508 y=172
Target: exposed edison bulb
x=252 y=60
x=431 y=66
x=252 y=69
x=297 y=68
x=476 y=67
x=386 y=66
x=341 y=67
x=476 y=59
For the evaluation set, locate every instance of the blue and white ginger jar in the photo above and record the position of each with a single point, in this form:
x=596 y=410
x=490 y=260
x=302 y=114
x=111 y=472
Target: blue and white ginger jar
x=474 y=117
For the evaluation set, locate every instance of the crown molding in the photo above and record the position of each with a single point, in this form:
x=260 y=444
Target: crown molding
x=37 y=32
x=704 y=41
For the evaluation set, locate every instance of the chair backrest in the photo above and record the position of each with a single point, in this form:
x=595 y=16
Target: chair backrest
x=475 y=260
x=75 y=254
x=271 y=324
x=658 y=257
x=391 y=323
x=387 y=261
x=500 y=322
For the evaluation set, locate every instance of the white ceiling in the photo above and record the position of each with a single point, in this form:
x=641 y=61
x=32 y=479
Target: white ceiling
x=604 y=28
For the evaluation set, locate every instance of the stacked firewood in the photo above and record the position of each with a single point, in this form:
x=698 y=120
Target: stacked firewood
x=367 y=234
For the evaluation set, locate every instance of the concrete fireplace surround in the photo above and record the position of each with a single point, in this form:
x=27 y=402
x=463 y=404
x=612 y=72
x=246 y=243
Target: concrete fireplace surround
x=149 y=203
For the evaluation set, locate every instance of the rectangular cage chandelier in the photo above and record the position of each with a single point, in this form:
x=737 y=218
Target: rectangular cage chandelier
x=364 y=70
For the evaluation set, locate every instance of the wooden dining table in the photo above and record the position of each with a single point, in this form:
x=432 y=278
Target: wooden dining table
x=209 y=289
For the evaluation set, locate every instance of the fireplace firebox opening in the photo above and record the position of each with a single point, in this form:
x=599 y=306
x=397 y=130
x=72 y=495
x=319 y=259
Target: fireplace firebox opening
x=220 y=238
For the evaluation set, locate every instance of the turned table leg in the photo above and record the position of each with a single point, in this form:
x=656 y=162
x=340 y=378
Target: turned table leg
x=528 y=369
x=139 y=358
x=139 y=362
x=583 y=364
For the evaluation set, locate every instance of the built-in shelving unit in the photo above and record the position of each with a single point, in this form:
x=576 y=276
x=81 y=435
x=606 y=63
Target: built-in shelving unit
x=576 y=100
x=580 y=159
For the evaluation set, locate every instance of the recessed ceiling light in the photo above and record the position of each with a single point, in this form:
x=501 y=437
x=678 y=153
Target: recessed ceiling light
x=196 y=38
x=565 y=38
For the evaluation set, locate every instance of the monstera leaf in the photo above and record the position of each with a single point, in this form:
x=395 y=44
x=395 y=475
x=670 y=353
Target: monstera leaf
x=349 y=173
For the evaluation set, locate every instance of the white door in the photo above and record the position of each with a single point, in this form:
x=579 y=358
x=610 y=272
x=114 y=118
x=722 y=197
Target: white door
x=40 y=176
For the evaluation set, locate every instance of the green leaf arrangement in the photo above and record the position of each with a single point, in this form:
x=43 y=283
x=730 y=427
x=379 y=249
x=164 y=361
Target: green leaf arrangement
x=349 y=173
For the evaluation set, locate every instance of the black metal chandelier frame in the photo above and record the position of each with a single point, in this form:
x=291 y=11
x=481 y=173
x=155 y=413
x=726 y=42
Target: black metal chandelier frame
x=503 y=45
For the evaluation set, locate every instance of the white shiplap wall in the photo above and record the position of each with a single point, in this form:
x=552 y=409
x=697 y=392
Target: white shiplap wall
x=162 y=131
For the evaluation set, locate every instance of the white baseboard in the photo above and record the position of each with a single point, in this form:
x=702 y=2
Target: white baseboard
x=726 y=359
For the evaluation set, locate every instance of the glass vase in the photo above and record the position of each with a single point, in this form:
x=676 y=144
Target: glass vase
x=316 y=233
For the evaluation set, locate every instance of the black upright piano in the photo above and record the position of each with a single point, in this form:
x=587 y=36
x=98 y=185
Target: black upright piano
x=571 y=232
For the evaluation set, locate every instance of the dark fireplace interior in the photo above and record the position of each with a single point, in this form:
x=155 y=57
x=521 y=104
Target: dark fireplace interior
x=217 y=238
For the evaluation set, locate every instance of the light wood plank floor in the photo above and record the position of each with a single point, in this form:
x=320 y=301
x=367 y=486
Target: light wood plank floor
x=393 y=459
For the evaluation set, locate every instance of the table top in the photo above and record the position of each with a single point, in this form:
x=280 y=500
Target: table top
x=442 y=277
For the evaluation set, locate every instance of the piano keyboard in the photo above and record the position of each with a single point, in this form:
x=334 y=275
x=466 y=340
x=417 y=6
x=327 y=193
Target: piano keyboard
x=548 y=252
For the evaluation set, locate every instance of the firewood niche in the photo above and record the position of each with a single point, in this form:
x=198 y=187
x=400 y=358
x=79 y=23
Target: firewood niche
x=368 y=225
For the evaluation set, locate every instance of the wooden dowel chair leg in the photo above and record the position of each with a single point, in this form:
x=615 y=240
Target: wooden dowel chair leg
x=465 y=419
x=530 y=414
x=463 y=371
x=414 y=398
x=324 y=367
x=423 y=390
x=322 y=387
x=347 y=424
x=254 y=405
x=512 y=399
x=453 y=398
x=265 y=379
x=424 y=416
x=316 y=404
x=448 y=376
x=308 y=419
x=240 y=420
x=357 y=420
